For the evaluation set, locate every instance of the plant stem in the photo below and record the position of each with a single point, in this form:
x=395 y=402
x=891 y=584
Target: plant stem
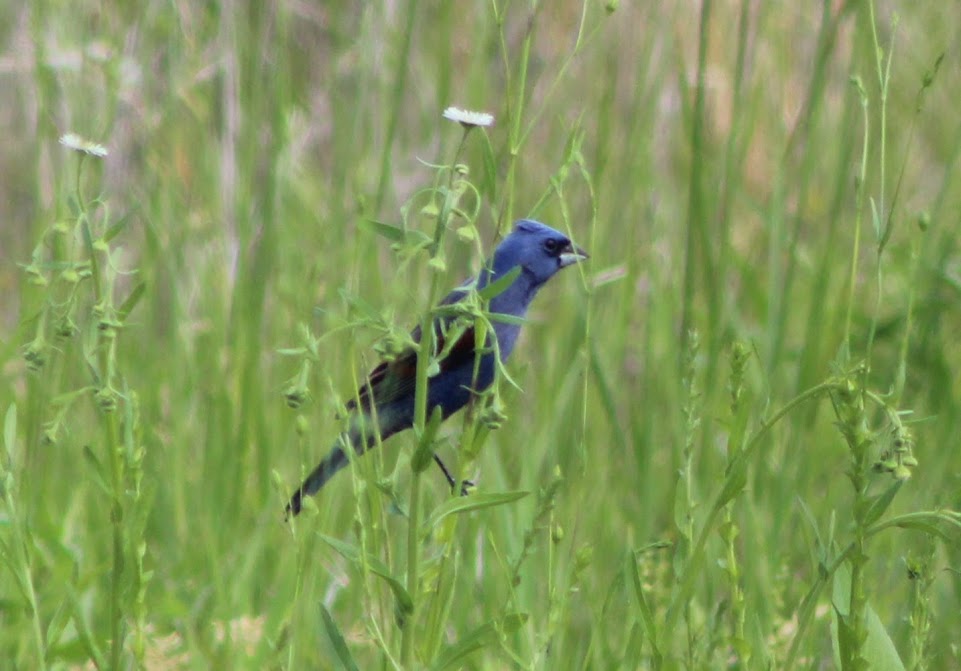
x=424 y=354
x=106 y=343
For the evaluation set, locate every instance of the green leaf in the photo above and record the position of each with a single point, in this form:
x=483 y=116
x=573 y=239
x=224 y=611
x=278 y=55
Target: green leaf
x=70 y=654
x=118 y=227
x=734 y=482
x=500 y=285
x=506 y=319
x=365 y=309
x=435 y=621
x=635 y=646
x=377 y=567
x=55 y=628
x=131 y=302
x=876 y=222
x=483 y=636
x=606 y=392
x=647 y=615
x=97 y=469
x=464 y=504
x=878 y=649
x=489 y=169
x=880 y=503
x=812 y=522
x=87 y=639
x=392 y=233
x=88 y=246
x=10 y=430
x=411 y=238
x=337 y=640
x=87 y=237
x=926 y=524
x=425 y=446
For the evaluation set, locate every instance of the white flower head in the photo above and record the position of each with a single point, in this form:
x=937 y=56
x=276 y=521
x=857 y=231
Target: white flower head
x=469 y=119
x=84 y=146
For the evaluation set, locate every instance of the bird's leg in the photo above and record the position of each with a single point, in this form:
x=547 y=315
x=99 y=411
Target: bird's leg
x=443 y=468
x=464 y=486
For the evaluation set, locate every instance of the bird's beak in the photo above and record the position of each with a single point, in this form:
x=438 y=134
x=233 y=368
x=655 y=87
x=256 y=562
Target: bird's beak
x=572 y=254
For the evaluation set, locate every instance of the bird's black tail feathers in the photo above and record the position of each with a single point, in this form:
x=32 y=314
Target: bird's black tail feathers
x=325 y=470
x=333 y=463
x=360 y=437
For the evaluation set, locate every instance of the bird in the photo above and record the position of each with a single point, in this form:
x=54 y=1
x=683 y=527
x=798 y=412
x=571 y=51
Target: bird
x=531 y=255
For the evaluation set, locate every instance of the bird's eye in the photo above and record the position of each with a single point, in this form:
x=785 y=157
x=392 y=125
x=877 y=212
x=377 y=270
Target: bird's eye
x=551 y=245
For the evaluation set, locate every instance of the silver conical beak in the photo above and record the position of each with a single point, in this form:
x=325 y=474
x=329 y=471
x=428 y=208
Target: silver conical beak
x=572 y=254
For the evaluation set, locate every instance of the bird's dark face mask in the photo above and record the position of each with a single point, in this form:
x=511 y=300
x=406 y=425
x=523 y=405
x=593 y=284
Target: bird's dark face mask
x=570 y=254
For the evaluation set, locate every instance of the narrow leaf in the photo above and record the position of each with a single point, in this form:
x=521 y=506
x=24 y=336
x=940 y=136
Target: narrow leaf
x=484 y=635
x=337 y=640
x=506 y=319
x=425 y=447
x=411 y=238
x=94 y=654
x=360 y=305
x=392 y=233
x=876 y=223
x=879 y=649
x=10 y=430
x=500 y=285
x=880 y=503
x=606 y=392
x=647 y=615
x=924 y=527
x=635 y=646
x=734 y=482
x=131 y=302
x=97 y=470
x=377 y=567
x=464 y=504
x=489 y=169
x=118 y=227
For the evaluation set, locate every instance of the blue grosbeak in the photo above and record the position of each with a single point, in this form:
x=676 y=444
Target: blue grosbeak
x=385 y=403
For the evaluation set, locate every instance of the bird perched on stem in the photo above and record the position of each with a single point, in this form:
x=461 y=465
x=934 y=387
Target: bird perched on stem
x=522 y=263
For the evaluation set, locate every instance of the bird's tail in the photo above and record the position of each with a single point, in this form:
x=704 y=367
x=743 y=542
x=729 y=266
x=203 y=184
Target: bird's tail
x=318 y=477
x=359 y=438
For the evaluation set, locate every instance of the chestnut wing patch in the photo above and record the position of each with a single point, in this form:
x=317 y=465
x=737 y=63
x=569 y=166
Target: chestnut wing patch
x=393 y=380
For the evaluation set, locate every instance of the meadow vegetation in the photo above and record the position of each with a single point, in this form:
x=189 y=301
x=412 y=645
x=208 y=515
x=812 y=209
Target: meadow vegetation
x=728 y=440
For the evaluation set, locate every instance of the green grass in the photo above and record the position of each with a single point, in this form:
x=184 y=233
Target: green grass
x=769 y=196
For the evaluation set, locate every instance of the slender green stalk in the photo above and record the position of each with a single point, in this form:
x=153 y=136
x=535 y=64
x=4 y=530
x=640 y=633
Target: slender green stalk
x=17 y=553
x=859 y=210
x=882 y=221
x=397 y=97
x=729 y=527
x=697 y=253
x=106 y=396
x=425 y=355
x=515 y=109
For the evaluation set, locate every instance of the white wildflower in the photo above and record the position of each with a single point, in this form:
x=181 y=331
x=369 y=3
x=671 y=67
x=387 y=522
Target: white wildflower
x=77 y=143
x=469 y=119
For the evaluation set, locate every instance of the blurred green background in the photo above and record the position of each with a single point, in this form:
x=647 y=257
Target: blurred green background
x=729 y=166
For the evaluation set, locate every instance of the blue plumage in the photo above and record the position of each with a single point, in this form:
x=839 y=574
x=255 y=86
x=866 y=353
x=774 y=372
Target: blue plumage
x=539 y=252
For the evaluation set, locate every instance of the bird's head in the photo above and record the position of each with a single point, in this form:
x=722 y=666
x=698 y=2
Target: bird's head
x=539 y=250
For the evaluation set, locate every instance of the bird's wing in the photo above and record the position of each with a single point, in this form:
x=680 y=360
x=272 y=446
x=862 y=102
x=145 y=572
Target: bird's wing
x=396 y=379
